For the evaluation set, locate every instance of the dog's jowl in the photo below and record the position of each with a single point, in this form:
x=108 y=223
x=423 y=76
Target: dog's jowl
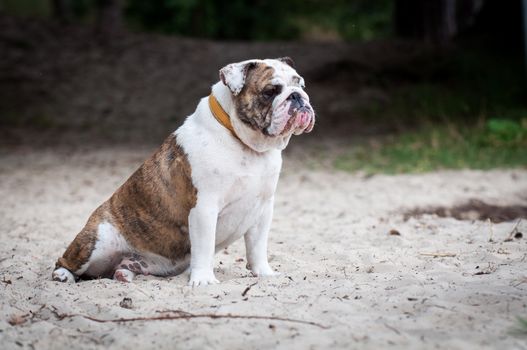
x=211 y=182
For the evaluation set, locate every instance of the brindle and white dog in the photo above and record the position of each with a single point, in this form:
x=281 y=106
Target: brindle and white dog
x=211 y=182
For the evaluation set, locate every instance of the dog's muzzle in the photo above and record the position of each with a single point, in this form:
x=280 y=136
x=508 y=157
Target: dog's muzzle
x=302 y=117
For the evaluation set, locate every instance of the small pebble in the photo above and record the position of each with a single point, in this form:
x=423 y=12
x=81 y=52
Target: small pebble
x=393 y=232
x=126 y=303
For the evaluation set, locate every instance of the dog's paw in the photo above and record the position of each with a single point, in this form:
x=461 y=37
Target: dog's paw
x=202 y=278
x=264 y=271
x=123 y=275
x=63 y=275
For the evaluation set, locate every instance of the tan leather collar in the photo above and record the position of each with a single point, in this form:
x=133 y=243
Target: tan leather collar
x=221 y=116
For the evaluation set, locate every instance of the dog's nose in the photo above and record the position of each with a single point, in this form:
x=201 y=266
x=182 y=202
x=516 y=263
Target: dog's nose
x=295 y=96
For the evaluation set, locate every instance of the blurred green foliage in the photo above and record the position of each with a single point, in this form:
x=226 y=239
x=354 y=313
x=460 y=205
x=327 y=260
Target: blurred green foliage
x=493 y=144
x=351 y=20
x=506 y=132
x=236 y=19
x=263 y=19
x=522 y=326
x=27 y=8
x=464 y=85
x=471 y=115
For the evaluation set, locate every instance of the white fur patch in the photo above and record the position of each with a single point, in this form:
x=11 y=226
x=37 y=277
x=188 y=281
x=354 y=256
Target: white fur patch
x=62 y=275
x=280 y=118
x=108 y=250
x=161 y=266
x=234 y=74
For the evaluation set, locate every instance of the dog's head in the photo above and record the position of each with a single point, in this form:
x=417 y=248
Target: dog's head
x=269 y=97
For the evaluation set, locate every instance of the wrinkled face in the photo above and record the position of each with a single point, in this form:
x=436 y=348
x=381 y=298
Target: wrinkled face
x=269 y=96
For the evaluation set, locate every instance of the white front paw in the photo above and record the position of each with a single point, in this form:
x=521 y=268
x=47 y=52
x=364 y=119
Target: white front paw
x=264 y=271
x=202 y=278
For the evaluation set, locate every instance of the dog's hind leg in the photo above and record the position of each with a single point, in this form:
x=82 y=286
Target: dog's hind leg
x=76 y=258
x=131 y=265
x=148 y=264
x=94 y=252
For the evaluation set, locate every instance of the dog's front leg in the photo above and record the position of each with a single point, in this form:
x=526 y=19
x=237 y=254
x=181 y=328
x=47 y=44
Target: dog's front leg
x=256 y=244
x=202 y=230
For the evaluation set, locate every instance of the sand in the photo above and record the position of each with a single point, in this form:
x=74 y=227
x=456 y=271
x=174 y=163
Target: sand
x=442 y=283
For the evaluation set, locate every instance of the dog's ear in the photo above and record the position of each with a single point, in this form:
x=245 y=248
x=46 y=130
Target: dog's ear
x=287 y=60
x=233 y=75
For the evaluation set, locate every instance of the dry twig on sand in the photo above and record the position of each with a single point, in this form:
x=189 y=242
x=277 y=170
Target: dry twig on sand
x=248 y=288
x=439 y=254
x=182 y=315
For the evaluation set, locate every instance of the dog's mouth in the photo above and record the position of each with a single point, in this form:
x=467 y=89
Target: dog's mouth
x=291 y=119
x=302 y=120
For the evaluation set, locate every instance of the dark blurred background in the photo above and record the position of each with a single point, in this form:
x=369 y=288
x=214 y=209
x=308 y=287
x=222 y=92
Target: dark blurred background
x=401 y=80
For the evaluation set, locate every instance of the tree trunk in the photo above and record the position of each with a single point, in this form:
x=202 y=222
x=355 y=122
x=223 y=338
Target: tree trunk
x=62 y=10
x=109 y=18
x=433 y=21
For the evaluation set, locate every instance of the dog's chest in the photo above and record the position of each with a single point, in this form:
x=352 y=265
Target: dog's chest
x=250 y=192
x=241 y=182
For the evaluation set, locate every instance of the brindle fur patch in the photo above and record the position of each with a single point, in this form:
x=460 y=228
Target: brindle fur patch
x=251 y=106
x=150 y=210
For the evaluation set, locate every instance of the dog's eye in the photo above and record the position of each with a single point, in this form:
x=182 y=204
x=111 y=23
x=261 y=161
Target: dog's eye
x=271 y=91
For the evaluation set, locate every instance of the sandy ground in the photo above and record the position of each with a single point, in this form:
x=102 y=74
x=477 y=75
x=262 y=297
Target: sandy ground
x=339 y=266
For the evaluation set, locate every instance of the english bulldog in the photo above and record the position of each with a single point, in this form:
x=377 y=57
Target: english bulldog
x=211 y=182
